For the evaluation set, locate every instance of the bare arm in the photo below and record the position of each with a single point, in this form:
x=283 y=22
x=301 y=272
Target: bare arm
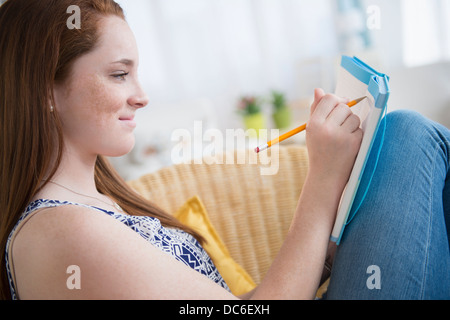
x=296 y=272
x=333 y=140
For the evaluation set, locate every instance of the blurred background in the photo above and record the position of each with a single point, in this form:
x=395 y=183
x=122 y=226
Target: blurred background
x=199 y=58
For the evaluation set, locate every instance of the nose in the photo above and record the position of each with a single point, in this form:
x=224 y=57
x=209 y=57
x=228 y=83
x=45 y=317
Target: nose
x=139 y=99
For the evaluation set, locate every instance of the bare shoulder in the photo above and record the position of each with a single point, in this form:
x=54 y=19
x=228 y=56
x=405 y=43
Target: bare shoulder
x=54 y=240
x=60 y=227
x=71 y=252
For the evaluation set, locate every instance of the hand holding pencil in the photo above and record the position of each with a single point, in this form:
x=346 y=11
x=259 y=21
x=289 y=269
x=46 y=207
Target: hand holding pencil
x=297 y=130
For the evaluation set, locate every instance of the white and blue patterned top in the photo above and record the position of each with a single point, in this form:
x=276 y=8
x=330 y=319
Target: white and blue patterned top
x=177 y=243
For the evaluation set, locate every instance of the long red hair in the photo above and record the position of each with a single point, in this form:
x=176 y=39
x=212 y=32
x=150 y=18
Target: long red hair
x=37 y=50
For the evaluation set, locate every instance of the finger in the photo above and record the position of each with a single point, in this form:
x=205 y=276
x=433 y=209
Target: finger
x=325 y=106
x=318 y=95
x=339 y=114
x=352 y=123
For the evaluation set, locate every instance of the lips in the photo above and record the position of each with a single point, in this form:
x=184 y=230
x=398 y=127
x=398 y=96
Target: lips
x=128 y=120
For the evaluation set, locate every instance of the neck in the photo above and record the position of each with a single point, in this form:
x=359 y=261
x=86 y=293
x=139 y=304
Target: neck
x=77 y=173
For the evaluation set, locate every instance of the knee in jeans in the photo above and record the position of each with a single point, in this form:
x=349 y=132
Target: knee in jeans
x=406 y=122
x=412 y=128
x=404 y=116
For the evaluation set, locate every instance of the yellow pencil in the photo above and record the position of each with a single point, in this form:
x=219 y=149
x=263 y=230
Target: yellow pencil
x=296 y=130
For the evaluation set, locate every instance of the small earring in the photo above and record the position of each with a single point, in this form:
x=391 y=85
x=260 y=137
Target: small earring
x=52 y=108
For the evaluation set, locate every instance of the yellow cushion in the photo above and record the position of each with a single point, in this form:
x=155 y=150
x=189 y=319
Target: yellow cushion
x=194 y=215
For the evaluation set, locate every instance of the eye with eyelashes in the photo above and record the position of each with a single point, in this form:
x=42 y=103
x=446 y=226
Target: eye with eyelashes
x=121 y=76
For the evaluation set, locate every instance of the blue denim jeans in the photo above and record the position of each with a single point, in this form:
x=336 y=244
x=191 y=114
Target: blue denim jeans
x=397 y=246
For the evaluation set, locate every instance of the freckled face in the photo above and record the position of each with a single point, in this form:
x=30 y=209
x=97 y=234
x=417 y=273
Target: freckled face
x=97 y=104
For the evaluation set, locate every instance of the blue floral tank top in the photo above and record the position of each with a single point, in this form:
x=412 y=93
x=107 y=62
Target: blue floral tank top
x=177 y=243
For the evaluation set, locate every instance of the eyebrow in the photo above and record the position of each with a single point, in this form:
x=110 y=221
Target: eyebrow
x=126 y=62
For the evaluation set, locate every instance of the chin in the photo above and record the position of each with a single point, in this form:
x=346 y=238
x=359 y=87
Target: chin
x=120 y=149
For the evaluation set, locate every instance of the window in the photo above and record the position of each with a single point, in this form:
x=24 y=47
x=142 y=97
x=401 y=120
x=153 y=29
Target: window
x=426 y=31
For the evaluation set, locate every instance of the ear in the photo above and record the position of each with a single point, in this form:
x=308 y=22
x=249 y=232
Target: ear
x=50 y=100
x=53 y=97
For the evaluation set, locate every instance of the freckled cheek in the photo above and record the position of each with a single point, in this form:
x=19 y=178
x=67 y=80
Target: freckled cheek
x=103 y=104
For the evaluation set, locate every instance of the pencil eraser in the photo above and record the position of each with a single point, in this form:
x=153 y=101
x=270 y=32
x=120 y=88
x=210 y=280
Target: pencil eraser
x=257 y=149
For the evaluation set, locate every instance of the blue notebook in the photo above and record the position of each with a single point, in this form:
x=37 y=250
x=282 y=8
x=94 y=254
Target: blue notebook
x=357 y=79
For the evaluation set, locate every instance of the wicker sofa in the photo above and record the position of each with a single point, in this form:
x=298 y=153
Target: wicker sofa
x=250 y=211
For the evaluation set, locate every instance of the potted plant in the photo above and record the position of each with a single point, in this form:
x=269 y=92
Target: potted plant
x=281 y=114
x=250 y=108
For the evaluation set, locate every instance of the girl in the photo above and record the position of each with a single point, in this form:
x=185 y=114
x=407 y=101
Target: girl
x=68 y=100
